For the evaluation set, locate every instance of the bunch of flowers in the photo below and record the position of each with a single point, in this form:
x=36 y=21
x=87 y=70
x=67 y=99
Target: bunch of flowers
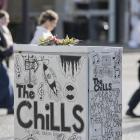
x=53 y=40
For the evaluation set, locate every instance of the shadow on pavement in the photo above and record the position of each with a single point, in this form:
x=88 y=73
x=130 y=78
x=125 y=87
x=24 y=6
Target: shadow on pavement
x=7 y=138
x=131 y=129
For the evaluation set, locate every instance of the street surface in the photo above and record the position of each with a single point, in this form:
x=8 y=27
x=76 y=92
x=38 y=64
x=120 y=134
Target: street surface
x=131 y=127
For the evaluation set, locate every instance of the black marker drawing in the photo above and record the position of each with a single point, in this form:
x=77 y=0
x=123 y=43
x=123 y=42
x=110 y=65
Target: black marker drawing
x=106 y=60
x=104 y=107
x=31 y=63
x=70 y=64
x=41 y=93
x=50 y=79
x=60 y=137
x=117 y=65
x=28 y=137
x=18 y=67
x=102 y=71
x=70 y=92
x=74 y=137
x=95 y=59
x=117 y=58
x=117 y=73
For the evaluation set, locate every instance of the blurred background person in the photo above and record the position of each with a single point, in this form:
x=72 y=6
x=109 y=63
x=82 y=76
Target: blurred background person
x=135 y=24
x=6 y=50
x=47 y=22
x=134 y=100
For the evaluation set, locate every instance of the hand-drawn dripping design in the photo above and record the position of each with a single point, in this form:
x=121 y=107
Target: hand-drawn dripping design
x=50 y=79
x=70 y=92
x=70 y=64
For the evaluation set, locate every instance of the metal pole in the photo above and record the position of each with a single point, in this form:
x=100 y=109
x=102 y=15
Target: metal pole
x=25 y=20
x=112 y=21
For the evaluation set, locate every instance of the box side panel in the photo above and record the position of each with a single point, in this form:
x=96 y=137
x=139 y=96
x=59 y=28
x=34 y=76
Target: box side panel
x=51 y=96
x=105 y=94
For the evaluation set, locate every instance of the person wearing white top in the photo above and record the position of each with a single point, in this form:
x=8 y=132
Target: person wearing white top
x=47 y=22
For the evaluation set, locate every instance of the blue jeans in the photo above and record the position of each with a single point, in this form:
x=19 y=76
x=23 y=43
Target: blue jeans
x=6 y=89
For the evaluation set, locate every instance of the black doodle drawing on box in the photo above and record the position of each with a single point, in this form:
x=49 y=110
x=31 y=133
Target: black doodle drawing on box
x=97 y=129
x=74 y=137
x=18 y=67
x=60 y=137
x=33 y=79
x=28 y=137
x=117 y=73
x=116 y=120
x=31 y=64
x=104 y=106
x=95 y=59
x=106 y=60
x=41 y=93
x=107 y=118
x=70 y=65
x=117 y=64
x=70 y=92
x=102 y=71
x=50 y=79
x=117 y=58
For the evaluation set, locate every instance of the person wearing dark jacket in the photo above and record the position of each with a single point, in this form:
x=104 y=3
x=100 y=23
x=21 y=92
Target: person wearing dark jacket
x=134 y=100
x=6 y=50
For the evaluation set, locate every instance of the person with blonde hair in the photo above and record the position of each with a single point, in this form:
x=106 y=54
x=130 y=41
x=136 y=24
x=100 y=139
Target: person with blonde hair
x=47 y=22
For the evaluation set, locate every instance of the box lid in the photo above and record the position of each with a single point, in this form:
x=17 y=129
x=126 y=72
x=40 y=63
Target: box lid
x=58 y=49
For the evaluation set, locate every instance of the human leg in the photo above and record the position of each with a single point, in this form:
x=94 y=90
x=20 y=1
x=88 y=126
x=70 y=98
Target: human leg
x=133 y=102
x=6 y=90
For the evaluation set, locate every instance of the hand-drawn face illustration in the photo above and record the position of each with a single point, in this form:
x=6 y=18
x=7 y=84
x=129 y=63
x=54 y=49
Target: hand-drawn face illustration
x=70 y=92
